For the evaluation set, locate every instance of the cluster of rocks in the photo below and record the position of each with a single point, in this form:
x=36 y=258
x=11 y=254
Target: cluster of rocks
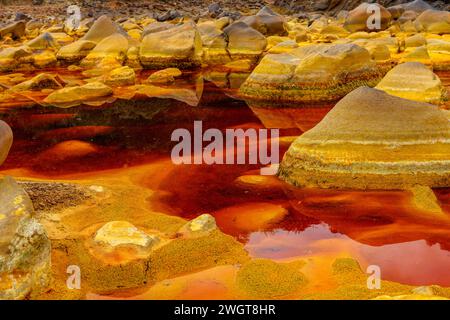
x=312 y=59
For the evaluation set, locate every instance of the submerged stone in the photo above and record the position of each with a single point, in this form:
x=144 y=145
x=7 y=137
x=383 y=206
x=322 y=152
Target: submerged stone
x=71 y=96
x=413 y=81
x=164 y=76
x=372 y=140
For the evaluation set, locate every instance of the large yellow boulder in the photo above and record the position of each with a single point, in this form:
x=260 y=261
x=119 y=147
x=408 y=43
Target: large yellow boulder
x=75 y=51
x=179 y=47
x=439 y=52
x=372 y=140
x=114 y=47
x=244 y=42
x=309 y=74
x=102 y=28
x=413 y=81
x=434 y=21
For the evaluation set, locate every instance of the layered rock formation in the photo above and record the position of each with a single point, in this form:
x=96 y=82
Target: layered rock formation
x=372 y=140
x=309 y=74
x=414 y=81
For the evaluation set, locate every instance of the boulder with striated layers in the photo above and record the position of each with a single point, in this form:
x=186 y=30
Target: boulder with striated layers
x=179 y=47
x=71 y=96
x=25 y=250
x=359 y=19
x=309 y=74
x=113 y=47
x=372 y=140
x=434 y=21
x=6 y=139
x=413 y=81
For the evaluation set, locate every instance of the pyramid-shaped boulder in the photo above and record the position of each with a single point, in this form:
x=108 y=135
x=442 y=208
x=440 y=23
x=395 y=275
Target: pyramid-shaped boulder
x=372 y=140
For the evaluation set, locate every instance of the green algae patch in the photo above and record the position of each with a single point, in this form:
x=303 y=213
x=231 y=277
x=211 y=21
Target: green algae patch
x=263 y=278
x=186 y=255
x=425 y=199
x=126 y=268
x=352 y=283
x=343 y=266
